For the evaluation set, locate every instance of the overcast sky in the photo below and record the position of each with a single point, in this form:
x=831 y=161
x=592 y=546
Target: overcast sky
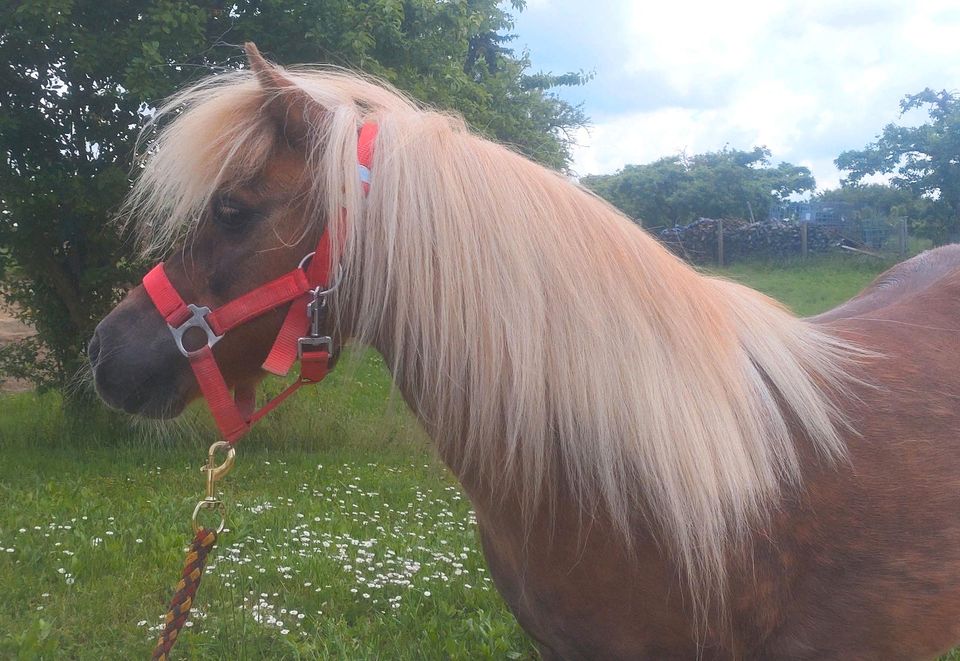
x=806 y=78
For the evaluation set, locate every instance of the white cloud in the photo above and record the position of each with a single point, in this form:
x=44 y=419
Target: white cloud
x=806 y=78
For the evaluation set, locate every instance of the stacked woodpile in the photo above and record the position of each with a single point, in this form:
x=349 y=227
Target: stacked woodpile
x=12 y=330
x=742 y=240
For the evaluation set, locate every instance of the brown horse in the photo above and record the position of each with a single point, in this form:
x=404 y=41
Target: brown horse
x=664 y=465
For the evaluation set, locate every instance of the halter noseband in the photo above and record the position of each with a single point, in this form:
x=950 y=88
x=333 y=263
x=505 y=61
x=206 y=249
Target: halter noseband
x=299 y=338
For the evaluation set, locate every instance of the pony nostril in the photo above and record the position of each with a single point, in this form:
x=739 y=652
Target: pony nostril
x=93 y=349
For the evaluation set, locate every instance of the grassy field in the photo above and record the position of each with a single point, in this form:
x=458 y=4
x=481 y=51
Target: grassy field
x=809 y=288
x=346 y=537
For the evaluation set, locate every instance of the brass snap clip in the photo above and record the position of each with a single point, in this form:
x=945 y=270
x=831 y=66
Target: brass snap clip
x=214 y=473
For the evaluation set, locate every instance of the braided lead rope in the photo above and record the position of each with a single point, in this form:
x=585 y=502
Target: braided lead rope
x=179 y=610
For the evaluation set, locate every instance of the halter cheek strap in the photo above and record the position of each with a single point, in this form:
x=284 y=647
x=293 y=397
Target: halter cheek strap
x=306 y=288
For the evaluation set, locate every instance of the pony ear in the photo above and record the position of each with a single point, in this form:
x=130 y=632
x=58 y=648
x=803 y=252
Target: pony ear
x=292 y=109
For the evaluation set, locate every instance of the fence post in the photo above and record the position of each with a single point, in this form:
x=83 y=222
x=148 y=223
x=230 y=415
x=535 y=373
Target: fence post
x=720 y=243
x=902 y=236
x=803 y=239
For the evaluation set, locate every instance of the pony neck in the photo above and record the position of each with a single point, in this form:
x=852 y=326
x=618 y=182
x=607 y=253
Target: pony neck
x=543 y=338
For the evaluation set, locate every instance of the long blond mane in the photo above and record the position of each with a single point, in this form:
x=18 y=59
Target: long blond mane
x=542 y=338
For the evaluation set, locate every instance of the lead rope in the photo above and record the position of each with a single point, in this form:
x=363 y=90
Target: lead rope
x=204 y=539
x=179 y=611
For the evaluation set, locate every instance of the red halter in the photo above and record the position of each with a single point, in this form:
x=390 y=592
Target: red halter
x=299 y=337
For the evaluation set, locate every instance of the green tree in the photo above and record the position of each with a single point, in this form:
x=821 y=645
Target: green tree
x=729 y=183
x=924 y=160
x=876 y=201
x=79 y=76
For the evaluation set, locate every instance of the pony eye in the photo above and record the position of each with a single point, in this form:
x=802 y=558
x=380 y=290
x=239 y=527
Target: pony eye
x=231 y=216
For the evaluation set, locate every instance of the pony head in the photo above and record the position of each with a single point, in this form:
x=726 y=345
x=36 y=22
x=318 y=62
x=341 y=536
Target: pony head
x=224 y=193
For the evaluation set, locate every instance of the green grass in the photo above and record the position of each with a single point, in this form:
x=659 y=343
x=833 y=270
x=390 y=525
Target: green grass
x=813 y=287
x=347 y=539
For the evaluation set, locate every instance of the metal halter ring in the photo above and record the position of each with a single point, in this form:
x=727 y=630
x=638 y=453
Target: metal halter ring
x=336 y=281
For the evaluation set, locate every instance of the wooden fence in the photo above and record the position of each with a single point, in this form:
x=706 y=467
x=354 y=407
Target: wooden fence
x=710 y=241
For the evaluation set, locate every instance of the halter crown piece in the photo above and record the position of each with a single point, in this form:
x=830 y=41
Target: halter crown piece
x=306 y=288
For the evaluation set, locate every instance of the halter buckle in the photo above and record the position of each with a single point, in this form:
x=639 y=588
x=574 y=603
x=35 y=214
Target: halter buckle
x=198 y=319
x=305 y=344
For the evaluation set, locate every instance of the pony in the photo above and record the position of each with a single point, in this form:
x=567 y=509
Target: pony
x=663 y=464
